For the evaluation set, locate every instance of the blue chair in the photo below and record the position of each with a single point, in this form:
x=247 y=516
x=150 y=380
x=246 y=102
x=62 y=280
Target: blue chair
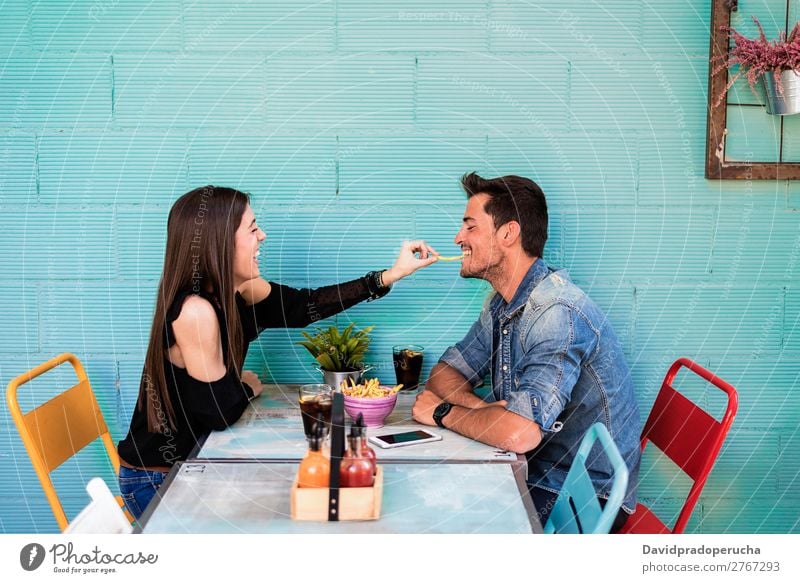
x=577 y=510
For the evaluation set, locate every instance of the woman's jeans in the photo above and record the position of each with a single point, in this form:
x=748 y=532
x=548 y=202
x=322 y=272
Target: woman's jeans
x=138 y=487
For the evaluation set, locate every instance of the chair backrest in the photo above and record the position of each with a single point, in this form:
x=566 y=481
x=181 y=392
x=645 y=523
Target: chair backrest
x=58 y=429
x=577 y=510
x=686 y=434
x=102 y=515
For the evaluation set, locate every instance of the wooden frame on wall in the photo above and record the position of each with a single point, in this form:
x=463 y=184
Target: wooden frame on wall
x=716 y=166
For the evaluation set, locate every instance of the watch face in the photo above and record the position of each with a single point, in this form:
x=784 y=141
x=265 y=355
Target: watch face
x=441 y=410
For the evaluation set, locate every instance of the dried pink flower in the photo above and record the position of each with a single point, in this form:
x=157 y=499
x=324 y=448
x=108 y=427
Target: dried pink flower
x=756 y=57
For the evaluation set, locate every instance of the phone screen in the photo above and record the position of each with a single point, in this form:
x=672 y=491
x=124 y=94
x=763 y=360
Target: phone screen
x=405 y=437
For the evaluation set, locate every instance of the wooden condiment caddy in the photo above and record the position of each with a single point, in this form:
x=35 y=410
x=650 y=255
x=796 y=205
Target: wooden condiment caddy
x=335 y=503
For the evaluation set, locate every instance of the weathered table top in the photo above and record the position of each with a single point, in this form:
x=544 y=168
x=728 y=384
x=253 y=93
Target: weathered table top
x=254 y=497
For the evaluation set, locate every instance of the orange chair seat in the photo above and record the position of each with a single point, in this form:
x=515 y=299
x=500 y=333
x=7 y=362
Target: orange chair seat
x=643 y=521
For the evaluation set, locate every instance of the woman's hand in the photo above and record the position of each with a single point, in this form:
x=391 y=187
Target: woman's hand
x=407 y=263
x=249 y=377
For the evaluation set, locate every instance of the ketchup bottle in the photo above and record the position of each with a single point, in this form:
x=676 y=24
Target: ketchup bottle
x=356 y=470
x=366 y=450
x=315 y=469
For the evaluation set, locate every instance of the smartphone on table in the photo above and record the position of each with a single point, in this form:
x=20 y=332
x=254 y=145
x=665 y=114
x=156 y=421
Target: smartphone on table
x=406 y=438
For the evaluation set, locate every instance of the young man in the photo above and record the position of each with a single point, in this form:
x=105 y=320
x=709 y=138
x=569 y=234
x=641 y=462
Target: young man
x=555 y=363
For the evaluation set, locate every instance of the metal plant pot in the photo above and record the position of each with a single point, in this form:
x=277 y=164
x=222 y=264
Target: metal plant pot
x=336 y=378
x=787 y=103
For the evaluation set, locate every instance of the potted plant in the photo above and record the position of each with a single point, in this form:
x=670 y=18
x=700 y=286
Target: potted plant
x=340 y=354
x=777 y=63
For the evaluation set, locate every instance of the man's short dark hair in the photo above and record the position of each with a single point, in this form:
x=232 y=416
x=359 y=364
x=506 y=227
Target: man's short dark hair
x=513 y=198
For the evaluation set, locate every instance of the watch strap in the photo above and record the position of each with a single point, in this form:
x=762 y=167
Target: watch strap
x=441 y=411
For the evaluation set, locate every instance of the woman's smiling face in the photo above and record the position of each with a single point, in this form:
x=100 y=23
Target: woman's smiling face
x=247 y=241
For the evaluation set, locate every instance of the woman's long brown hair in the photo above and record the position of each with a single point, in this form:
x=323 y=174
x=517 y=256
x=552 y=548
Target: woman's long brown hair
x=199 y=255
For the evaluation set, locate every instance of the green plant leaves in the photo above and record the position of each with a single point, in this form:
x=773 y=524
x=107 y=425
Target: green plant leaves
x=310 y=346
x=338 y=350
x=326 y=362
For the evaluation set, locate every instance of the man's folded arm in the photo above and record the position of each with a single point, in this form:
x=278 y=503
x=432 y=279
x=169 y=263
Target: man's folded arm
x=450 y=385
x=495 y=426
x=548 y=370
x=462 y=367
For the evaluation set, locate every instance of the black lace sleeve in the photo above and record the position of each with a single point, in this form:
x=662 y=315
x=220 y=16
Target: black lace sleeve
x=287 y=307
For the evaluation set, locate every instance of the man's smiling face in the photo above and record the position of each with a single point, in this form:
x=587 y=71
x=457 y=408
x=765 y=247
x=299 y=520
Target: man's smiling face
x=477 y=239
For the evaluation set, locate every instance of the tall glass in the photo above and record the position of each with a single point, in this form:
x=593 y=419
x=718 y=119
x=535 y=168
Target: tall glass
x=315 y=400
x=407 y=365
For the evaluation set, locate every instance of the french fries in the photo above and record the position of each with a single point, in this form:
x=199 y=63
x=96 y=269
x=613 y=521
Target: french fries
x=370 y=389
x=453 y=258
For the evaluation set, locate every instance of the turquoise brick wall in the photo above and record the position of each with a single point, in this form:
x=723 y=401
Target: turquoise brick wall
x=350 y=122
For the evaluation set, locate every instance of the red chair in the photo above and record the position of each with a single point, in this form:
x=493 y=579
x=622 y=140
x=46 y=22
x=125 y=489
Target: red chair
x=689 y=436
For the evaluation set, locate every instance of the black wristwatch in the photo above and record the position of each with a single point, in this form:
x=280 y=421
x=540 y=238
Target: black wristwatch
x=441 y=411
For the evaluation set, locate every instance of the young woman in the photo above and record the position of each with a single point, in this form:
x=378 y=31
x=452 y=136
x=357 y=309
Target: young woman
x=211 y=304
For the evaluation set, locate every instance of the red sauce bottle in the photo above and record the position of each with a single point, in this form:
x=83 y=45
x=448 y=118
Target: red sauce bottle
x=356 y=470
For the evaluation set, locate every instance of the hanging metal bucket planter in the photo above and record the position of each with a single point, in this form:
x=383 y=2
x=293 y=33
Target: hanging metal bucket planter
x=788 y=102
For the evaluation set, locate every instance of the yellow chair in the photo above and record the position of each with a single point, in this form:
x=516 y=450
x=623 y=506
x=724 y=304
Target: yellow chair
x=60 y=428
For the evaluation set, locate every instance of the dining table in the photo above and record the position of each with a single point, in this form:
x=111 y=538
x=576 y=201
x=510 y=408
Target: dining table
x=239 y=480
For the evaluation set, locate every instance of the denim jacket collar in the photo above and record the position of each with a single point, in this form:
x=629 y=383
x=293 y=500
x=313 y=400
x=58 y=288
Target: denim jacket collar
x=537 y=272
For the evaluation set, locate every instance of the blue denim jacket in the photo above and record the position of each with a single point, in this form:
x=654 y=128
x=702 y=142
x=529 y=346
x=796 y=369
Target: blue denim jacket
x=554 y=357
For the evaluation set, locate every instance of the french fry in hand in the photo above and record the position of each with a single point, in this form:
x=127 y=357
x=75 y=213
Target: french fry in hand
x=453 y=258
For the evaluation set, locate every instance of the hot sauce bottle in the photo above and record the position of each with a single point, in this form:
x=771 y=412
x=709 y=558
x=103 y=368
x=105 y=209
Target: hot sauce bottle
x=366 y=450
x=315 y=469
x=356 y=469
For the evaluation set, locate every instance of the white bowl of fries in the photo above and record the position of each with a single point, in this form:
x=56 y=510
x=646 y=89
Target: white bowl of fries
x=370 y=398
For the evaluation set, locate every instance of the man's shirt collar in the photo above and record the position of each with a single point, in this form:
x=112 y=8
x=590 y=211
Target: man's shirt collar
x=537 y=272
